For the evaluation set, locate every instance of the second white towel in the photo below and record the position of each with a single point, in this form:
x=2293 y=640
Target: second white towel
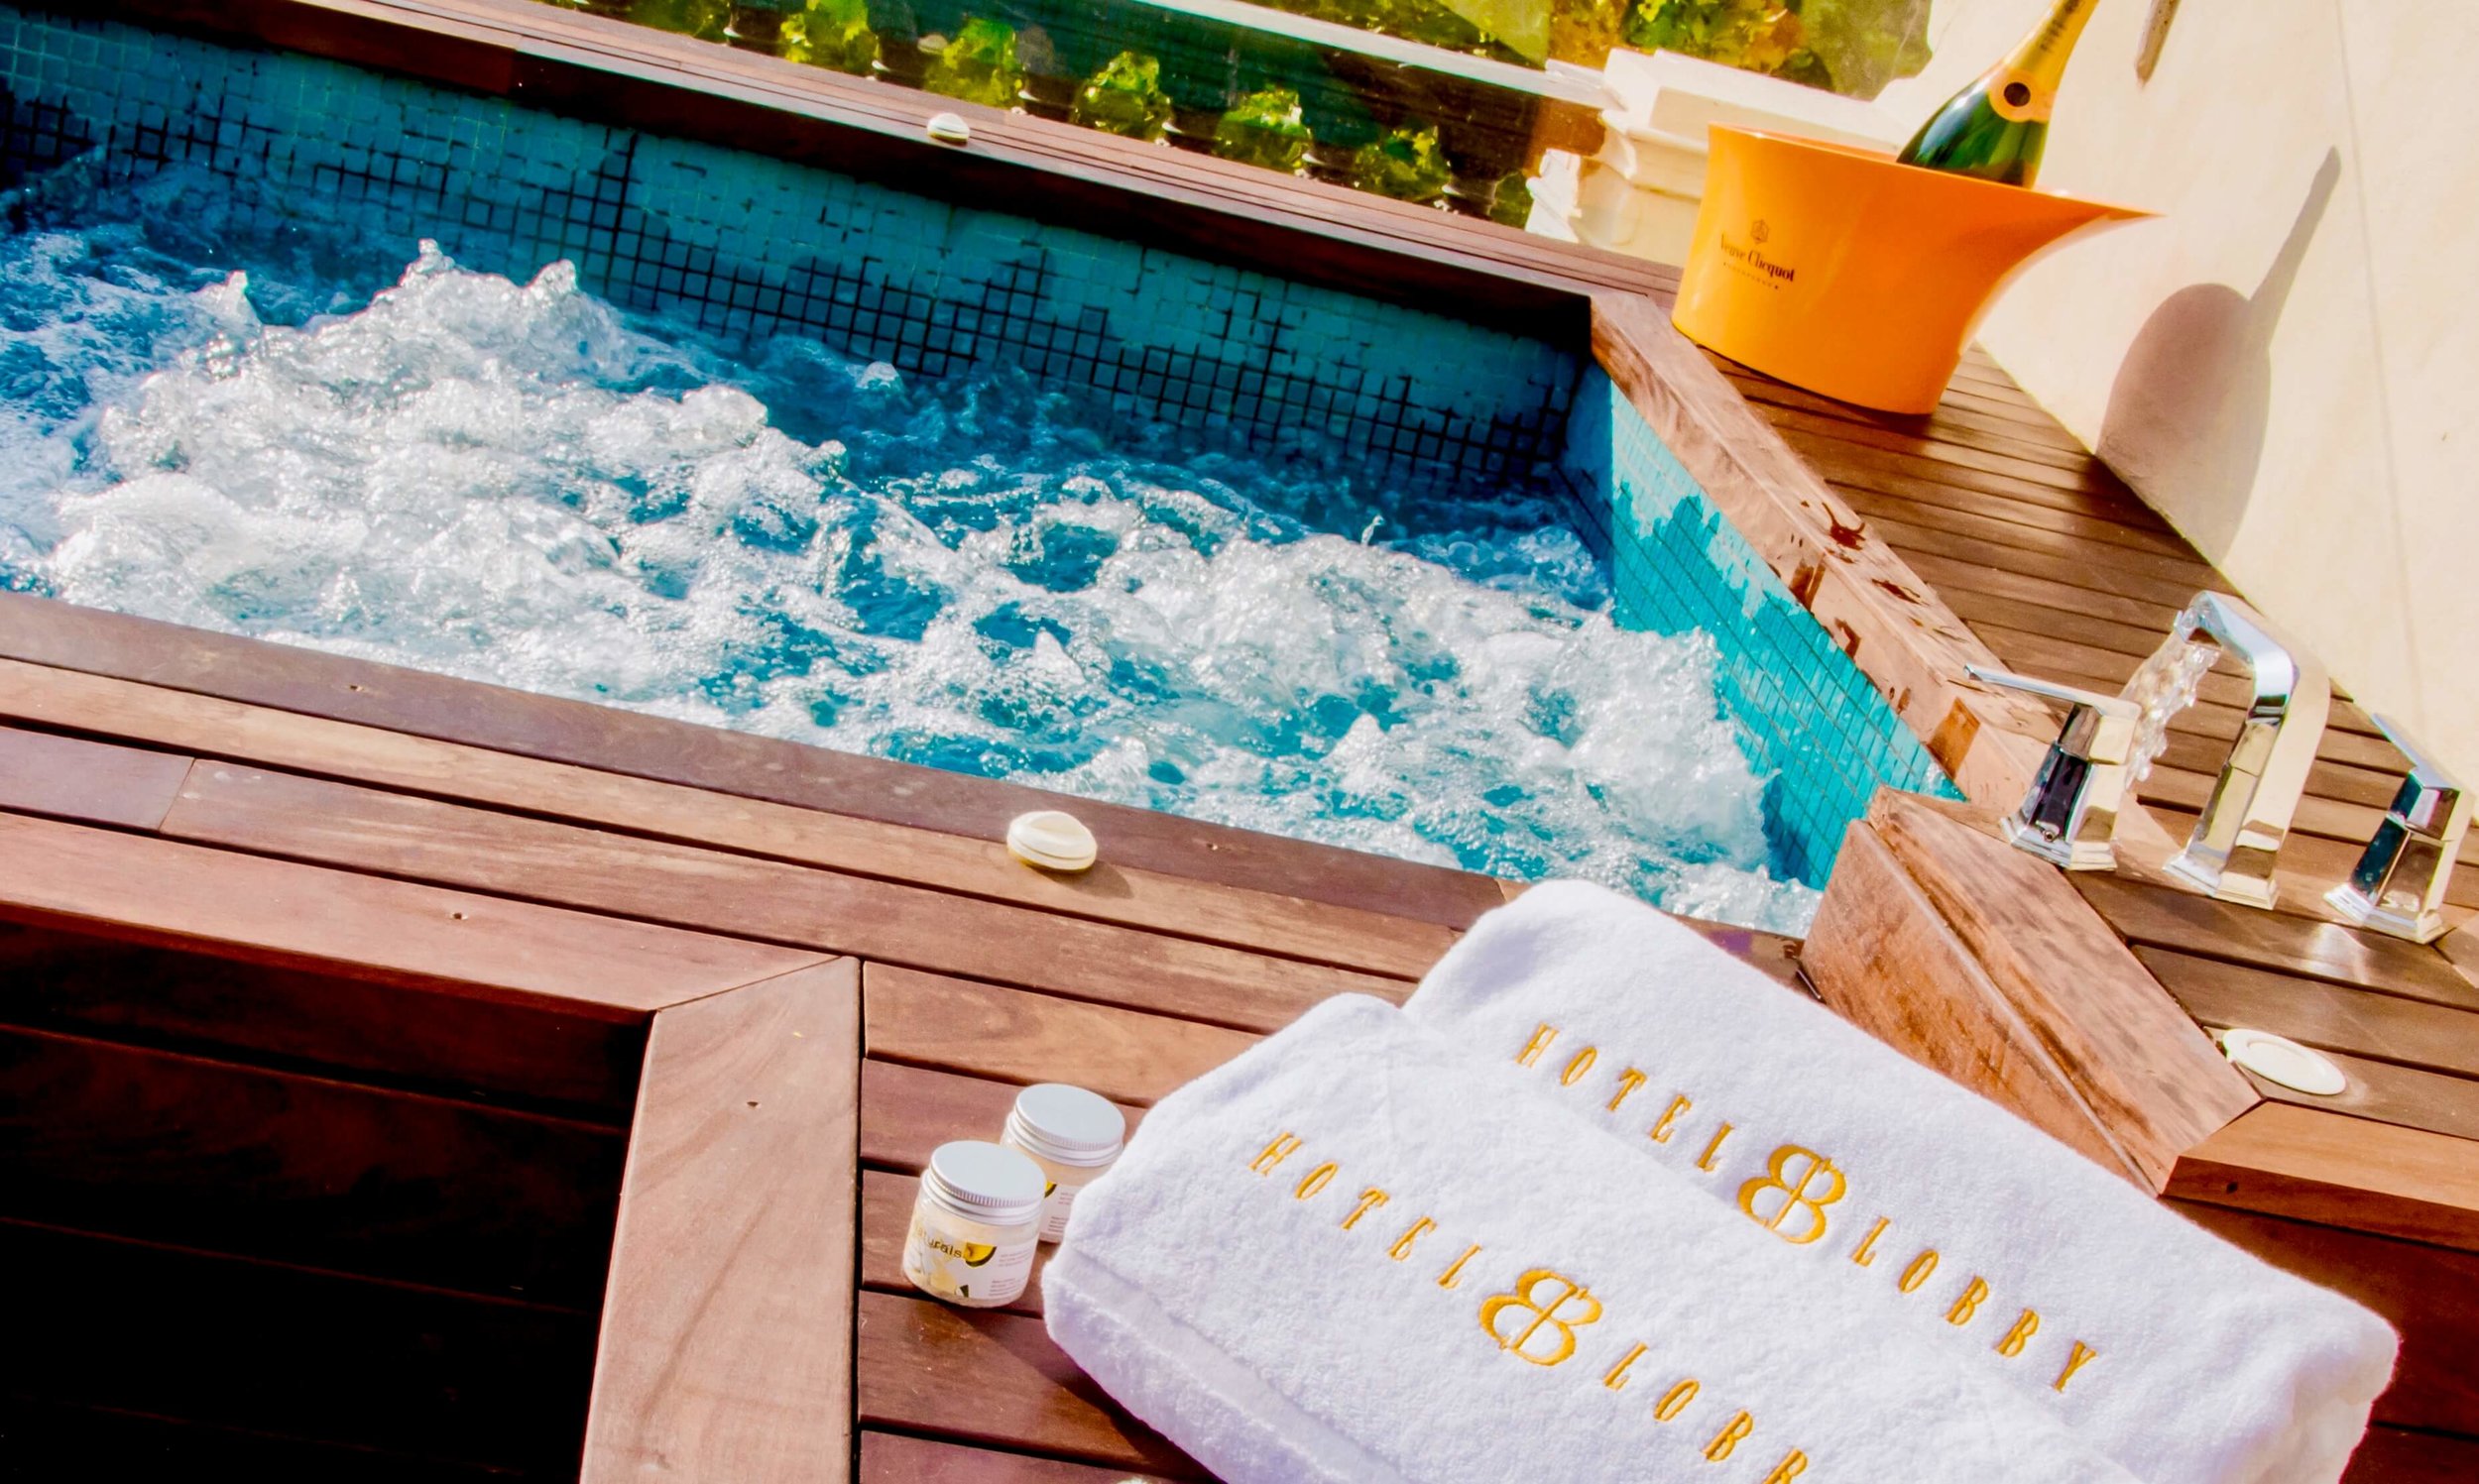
x=2185 y=1359
x=1354 y=1256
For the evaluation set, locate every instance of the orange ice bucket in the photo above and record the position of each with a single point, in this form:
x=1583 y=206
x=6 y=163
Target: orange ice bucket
x=1835 y=269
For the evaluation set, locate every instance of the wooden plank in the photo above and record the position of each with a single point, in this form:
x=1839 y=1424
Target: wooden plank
x=1981 y=369
x=1996 y=403
x=1291 y=926
x=2056 y=478
x=2077 y=624
x=2163 y=917
x=257 y=1163
x=1883 y=958
x=2005 y=399
x=1960 y=417
x=87 y=781
x=2309 y=866
x=2461 y=948
x=2410 y=1033
x=2369 y=784
x=1913 y=534
x=2351 y=824
x=2151 y=833
x=2388 y=1093
x=917 y=1357
x=1007 y=1035
x=255 y=1347
x=2397 y=1455
x=2317 y=816
x=2430 y=1294
x=2082 y=497
x=2210 y=728
x=1952 y=576
x=725 y=1346
x=2338 y=1171
x=1958 y=435
x=2150 y=1077
x=1975 y=529
x=400 y=835
x=157 y=891
x=1920 y=500
x=479 y=1050
x=887 y=1217
x=893 y=1458
x=286 y=678
x=907 y=1111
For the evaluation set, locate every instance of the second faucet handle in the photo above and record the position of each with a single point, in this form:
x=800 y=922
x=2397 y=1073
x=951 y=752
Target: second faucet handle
x=2069 y=816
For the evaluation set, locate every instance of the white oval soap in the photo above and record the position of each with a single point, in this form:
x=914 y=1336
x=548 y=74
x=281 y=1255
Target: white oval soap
x=1052 y=840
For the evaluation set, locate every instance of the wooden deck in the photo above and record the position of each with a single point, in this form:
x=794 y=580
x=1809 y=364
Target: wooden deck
x=479 y=1105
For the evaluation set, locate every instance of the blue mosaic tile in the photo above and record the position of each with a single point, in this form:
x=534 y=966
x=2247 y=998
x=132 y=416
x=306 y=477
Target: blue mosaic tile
x=746 y=247
x=1809 y=719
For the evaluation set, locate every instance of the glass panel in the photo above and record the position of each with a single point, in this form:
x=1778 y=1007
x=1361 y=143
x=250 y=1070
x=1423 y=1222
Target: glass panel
x=1407 y=98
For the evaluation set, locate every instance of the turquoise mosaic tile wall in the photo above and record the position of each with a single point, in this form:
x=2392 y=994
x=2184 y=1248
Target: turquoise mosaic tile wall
x=1807 y=714
x=747 y=247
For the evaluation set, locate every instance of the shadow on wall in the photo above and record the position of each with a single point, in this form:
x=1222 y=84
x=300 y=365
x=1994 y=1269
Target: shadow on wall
x=2189 y=409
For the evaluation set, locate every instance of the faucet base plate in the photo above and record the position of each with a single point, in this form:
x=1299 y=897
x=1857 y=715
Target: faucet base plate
x=2217 y=882
x=2350 y=902
x=2068 y=855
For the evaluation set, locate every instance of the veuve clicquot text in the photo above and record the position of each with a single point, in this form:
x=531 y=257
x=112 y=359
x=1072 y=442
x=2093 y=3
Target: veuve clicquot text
x=1996 y=128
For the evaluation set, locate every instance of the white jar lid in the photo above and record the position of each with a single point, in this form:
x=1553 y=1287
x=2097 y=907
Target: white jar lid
x=985 y=1182
x=1054 y=840
x=1067 y=1125
x=2278 y=1058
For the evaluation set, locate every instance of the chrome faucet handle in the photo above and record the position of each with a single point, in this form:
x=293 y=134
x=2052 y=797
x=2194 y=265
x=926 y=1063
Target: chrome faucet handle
x=2069 y=818
x=2239 y=838
x=2397 y=885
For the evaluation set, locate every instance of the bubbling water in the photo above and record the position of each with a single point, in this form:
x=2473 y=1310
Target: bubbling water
x=514 y=483
x=2164 y=685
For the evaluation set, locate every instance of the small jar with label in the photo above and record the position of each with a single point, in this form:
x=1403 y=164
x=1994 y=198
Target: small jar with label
x=1073 y=1135
x=974 y=1224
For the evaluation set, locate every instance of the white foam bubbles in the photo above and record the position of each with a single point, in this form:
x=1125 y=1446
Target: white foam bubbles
x=509 y=481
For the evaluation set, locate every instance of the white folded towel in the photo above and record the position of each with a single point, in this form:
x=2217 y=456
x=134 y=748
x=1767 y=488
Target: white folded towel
x=1354 y=1255
x=2182 y=1357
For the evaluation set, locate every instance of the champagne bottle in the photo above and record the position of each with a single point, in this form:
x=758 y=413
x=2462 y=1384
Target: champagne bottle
x=1996 y=128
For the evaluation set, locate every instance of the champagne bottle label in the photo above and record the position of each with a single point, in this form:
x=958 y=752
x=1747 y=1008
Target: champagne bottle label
x=2018 y=97
x=2023 y=90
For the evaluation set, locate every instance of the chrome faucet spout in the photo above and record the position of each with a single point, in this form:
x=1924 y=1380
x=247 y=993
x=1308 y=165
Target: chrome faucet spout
x=2234 y=845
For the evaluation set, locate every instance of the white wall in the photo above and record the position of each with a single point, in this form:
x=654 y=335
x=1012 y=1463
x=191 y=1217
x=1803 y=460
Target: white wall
x=2287 y=366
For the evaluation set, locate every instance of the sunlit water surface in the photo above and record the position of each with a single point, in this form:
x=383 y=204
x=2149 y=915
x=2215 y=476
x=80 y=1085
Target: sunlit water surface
x=287 y=431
